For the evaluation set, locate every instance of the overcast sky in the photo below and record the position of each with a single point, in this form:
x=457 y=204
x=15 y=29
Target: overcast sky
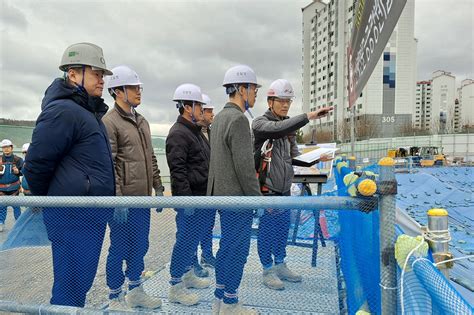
x=174 y=42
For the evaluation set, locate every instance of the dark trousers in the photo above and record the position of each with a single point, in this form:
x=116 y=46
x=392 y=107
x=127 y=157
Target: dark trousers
x=129 y=242
x=76 y=236
x=189 y=230
x=3 y=209
x=236 y=229
x=273 y=230
x=206 y=239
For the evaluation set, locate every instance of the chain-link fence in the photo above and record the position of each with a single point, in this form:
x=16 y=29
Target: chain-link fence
x=302 y=254
x=65 y=253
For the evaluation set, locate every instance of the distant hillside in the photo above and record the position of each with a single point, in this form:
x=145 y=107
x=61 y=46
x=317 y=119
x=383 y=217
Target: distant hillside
x=14 y=122
x=17 y=134
x=20 y=134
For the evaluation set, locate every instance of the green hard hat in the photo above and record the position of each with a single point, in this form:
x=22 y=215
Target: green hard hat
x=84 y=54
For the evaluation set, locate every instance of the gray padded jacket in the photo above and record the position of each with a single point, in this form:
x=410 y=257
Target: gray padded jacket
x=283 y=133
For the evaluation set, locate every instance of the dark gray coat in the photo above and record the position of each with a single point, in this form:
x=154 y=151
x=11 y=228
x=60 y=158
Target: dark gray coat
x=282 y=131
x=231 y=170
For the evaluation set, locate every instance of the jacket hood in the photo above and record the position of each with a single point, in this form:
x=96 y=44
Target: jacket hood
x=60 y=90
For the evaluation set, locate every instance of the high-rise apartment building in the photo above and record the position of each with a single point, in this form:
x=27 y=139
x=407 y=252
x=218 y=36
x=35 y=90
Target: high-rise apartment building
x=466 y=105
x=442 y=102
x=387 y=102
x=422 y=115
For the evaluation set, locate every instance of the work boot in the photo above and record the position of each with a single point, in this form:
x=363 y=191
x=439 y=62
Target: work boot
x=236 y=309
x=271 y=280
x=191 y=281
x=138 y=298
x=200 y=271
x=216 y=306
x=208 y=261
x=180 y=294
x=118 y=304
x=284 y=273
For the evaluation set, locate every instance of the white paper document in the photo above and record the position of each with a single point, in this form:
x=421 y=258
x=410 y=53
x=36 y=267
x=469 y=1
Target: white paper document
x=311 y=154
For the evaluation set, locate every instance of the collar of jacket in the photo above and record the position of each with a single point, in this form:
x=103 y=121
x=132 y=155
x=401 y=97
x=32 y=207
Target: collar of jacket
x=125 y=115
x=193 y=127
x=7 y=158
x=271 y=116
x=233 y=105
x=60 y=89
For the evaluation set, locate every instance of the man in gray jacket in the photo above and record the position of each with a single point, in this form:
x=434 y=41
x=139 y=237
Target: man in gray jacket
x=232 y=173
x=276 y=132
x=137 y=174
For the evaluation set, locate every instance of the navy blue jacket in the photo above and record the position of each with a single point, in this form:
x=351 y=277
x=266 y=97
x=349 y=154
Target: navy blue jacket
x=70 y=152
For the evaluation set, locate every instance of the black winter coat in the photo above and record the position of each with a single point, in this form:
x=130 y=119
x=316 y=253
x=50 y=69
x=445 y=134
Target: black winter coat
x=188 y=155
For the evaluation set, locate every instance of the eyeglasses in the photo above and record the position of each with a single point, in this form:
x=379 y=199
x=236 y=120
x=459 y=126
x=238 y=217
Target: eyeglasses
x=136 y=88
x=252 y=87
x=283 y=101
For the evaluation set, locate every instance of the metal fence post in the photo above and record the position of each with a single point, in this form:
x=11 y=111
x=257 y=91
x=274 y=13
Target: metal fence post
x=439 y=237
x=388 y=272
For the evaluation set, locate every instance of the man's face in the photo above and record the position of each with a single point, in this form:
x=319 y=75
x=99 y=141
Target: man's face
x=93 y=80
x=134 y=94
x=250 y=95
x=208 y=116
x=197 y=111
x=280 y=106
x=7 y=150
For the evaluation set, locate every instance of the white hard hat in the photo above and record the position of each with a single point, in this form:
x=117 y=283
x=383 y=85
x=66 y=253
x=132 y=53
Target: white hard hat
x=6 y=143
x=281 y=88
x=207 y=101
x=25 y=147
x=240 y=74
x=122 y=76
x=188 y=92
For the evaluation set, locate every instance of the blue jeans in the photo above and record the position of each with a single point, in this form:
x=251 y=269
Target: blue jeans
x=3 y=209
x=76 y=236
x=129 y=242
x=273 y=230
x=233 y=251
x=189 y=230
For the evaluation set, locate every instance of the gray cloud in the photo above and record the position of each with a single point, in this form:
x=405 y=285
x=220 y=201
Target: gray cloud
x=445 y=37
x=173 y=42
x=12 y=18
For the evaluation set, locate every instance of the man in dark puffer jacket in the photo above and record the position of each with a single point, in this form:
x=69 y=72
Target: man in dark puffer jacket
x=70 y=156
x=187 y=154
